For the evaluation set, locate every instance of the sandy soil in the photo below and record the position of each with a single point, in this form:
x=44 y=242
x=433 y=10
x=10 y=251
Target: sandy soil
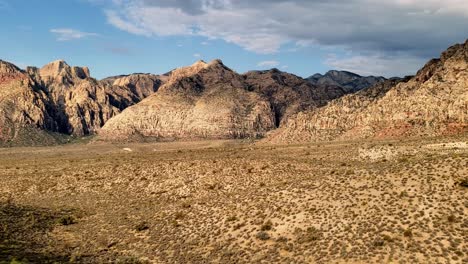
x=234 y=202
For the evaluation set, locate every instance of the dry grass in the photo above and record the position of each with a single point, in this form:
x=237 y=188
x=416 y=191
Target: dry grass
x=233 y=202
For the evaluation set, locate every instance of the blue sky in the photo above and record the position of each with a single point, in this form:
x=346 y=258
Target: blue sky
x=303 y=37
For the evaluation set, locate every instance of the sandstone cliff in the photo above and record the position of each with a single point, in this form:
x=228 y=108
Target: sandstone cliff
x=23 y=106
x=63 y=99
x=432 y=103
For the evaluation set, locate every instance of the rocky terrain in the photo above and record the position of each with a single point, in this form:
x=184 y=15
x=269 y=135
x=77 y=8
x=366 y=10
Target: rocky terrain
x=39 y=105
x=432 y=103
x=205 y=100
x=289 y=94
x=349 y=81
x=209 y=100
x=234 y=202
x=23 y=106
x=375 y=176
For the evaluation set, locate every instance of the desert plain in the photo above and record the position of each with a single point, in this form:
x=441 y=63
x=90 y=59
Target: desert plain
x=225 y=201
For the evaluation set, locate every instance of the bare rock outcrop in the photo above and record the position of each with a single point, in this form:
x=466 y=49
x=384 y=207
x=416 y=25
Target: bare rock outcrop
x=205 y=100
x=209 y=100
x=58 y=98
x=23 y=106
x=432 y=103
x=288 y=93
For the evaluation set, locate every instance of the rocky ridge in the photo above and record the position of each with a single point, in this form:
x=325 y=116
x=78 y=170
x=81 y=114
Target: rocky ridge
x=432 y=103
x=62 y=99
x=23 y=106
x=209 y=100
x=349 y=81
x=204 y=100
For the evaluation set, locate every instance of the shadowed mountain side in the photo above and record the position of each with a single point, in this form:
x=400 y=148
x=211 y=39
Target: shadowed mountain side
x=40 y=103
x=349 y=81
x=288 y=93
x=434 y=102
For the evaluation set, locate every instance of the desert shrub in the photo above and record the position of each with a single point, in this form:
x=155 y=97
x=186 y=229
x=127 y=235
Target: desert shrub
x=464 y=183
x=282 y=239
x=451 y=218
x=408 y=233
x=66 y=220
x=262 y=235
x=379 y=243
x=142 y=226
x=179 y=215
x=267 y=226
x=129 y=260
x=238 y=226
x=310 y=235
x=231 y=218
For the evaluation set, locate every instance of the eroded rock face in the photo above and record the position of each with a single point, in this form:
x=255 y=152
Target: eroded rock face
x=205 y=100
x=209 y=100
x=22 y=105
x=434 y=102
x=349 y=81
x=81 y=105
x=64 y=99
x=289 y=94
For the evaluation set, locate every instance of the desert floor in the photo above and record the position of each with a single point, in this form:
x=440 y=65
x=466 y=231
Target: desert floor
x=236 y=202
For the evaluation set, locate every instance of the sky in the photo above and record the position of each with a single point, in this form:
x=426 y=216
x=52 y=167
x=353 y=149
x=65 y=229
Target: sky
x=113 y=37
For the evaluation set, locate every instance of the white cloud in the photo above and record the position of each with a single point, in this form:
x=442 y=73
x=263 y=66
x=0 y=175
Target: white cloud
x=197 y=55
x=66 y=34
x=377 y=64
x=268 y=64
x=264 y=26
x=371 y=29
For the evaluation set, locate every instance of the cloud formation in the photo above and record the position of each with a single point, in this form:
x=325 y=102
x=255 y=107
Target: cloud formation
x=268 y=64
x=364 y=28
x=376 y=64
x=66 y=34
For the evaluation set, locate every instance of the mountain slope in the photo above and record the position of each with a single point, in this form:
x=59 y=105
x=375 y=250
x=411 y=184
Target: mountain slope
x=289 y=94
x=209 y=100
x=200 y=101
x=434 y=102
x=349 y=81
x=62 y=99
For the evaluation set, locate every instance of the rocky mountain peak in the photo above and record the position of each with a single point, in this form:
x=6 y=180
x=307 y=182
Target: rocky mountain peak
x=9 y=73
x=350 y=82
x=54 y=68
x=8 y=68
x=216 y=62
x=215 y=69
x=61 y=71
x=433 y=103
x=454 y=58
x=199 y=63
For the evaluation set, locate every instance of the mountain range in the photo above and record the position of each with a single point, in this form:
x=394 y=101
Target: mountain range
x=209 y=100
x=349 y=81
x=432 y=103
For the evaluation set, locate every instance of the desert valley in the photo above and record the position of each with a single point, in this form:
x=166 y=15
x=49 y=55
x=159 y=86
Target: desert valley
x=206 y=165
